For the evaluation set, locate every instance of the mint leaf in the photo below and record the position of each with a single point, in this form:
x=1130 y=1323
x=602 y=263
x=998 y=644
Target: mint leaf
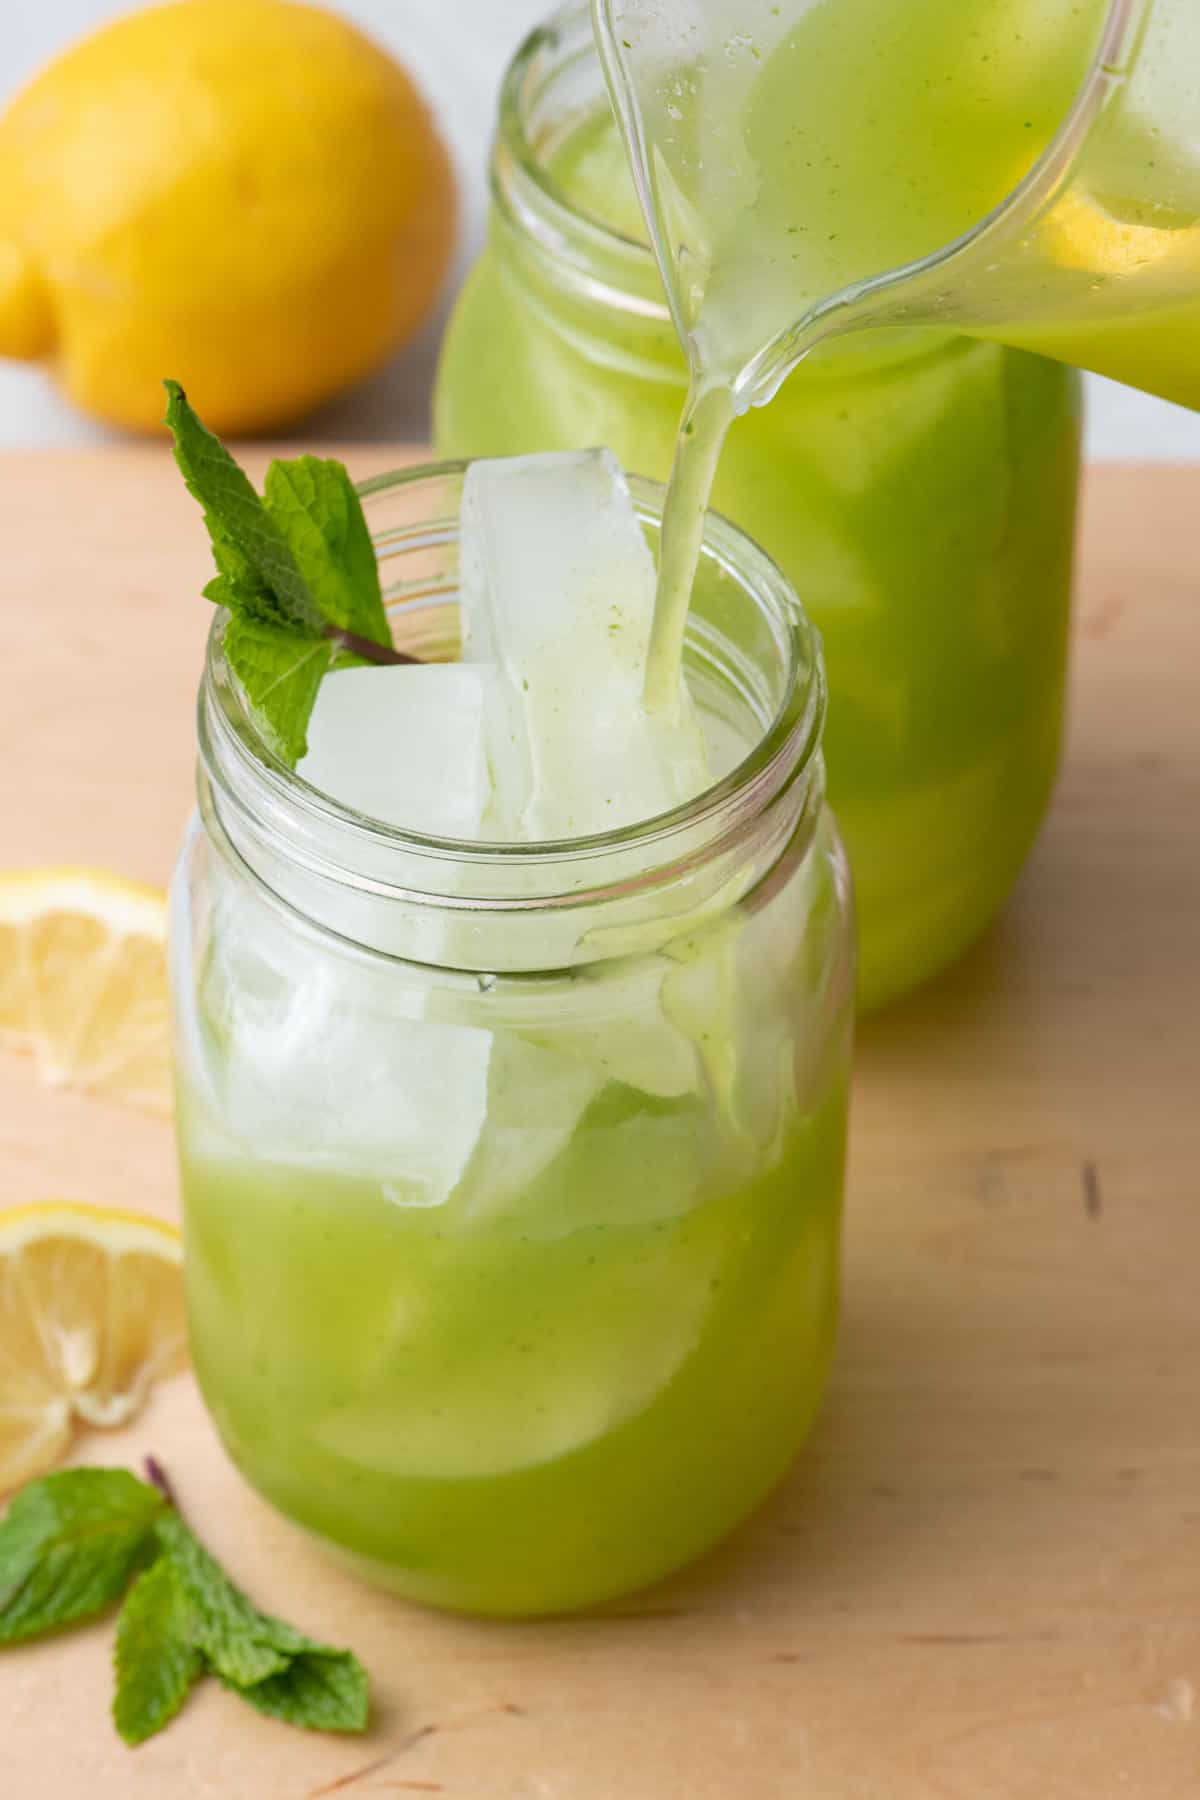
x=323 y=1690
x=258 y=574
x=69 y=1547
x=155 y=1661
x=317 y=510
x=296 y=572
x=268 y=1662
x=280 y=674
x=242 y=1644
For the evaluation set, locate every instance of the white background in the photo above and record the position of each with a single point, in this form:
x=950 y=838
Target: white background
x=458 y=49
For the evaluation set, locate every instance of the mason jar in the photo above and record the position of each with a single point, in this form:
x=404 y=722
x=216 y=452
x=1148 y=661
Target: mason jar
x=918 y=488
x=512 y=1174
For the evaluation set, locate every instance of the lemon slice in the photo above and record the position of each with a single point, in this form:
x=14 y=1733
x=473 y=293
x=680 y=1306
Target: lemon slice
x=91 y=1314
x=83 y=981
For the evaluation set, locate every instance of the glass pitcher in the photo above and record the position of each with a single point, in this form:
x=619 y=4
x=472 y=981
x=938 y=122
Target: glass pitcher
x=916 y=487
x=1027 y=170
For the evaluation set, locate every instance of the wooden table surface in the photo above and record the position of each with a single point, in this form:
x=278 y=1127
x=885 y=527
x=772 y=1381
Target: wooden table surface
x=982 y=1580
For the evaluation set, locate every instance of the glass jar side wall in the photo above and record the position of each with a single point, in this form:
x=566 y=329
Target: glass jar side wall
x=478 y=1274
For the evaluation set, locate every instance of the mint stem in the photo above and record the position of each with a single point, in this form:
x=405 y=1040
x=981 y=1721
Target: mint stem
x=157 y=1476
x=365 y=647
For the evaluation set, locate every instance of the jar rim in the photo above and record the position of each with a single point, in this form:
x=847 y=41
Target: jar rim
x=616 y=270
x=321 y=831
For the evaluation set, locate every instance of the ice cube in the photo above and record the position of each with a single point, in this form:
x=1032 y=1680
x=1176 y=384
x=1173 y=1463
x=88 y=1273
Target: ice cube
x=557 y=592
x=508 y=1352
x=311 y=1065
x=404 y=744
x=535 y=1101
x=609 y=1018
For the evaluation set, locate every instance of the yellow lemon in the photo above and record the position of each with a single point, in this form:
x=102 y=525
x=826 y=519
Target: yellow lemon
x=83 y=981
x=91 y=1314
x=247 y=195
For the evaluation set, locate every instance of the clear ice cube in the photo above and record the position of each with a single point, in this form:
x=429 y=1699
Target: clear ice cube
x=404 y=744
x=309 y=1068
x=519 y=1139
x=557 y=592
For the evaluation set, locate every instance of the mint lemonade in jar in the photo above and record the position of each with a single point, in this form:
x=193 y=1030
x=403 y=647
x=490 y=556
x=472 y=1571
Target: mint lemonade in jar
x=513 y=1028
x=917 y=486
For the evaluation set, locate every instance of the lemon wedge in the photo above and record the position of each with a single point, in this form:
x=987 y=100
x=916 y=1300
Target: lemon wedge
x=91 y=1315
x=83 y=983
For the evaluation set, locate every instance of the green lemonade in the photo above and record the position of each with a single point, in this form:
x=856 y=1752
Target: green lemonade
x=533 y=1416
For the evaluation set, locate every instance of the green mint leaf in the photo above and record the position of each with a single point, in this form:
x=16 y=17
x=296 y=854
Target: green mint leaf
x=154 y=1658
x=323 y=1690
x=236 y=1639
x=280 y=674
x=293 y=571
x=258 y=574
x=271 y=1664
x=69 y=1547
x=317 y=510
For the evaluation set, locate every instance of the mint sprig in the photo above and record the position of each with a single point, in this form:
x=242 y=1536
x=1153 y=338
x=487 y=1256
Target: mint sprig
x=72 y=1545
x=296 y=571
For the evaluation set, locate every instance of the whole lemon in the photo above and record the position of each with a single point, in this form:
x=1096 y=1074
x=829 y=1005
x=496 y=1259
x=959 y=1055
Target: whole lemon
x=247 y=195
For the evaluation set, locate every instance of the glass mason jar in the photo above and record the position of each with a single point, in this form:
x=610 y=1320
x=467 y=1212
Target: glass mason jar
x=917 y=488
x=512 y=1174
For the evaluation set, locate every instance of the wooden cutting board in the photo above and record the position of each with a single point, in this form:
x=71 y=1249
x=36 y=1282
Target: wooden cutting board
x=982 y=1581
